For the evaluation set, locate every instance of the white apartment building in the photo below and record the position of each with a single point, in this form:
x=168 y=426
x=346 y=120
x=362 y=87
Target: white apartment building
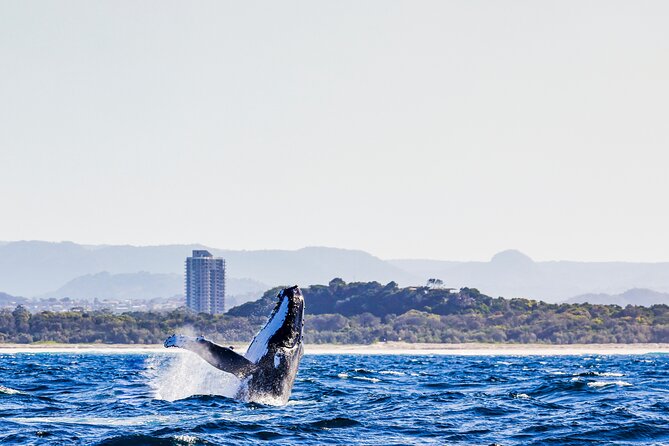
x=205 y=283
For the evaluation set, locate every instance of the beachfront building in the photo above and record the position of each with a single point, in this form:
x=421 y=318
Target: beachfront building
x=205 y=283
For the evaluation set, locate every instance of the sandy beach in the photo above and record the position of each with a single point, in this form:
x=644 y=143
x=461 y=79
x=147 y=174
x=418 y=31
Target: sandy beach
x=474 y=349
x=381 y=348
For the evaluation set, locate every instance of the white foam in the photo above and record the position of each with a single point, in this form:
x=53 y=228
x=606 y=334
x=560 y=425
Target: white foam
x=299 y=402
x=392 y=372
x=8 y=391
x=258 y=347
x=188 y=439
x=266 y=399
x=99 y=421
x=613 y=374
x=365 y=378
x=269 y=400
x=609 y=383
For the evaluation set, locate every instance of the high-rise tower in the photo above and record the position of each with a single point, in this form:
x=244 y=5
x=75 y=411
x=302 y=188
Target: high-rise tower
x=205 y=283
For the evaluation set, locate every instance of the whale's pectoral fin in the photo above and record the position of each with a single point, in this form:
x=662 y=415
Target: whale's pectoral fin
x=220 y=357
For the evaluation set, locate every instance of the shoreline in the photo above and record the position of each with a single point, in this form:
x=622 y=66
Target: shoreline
x=380 y=348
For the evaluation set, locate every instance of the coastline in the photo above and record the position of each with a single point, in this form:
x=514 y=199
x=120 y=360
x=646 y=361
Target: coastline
x=380 y=348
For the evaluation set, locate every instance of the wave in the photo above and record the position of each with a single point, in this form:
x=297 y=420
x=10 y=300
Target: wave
x=359 y=378
x=9 y=391
x=612 y=374
x=608 y=383
x=164 y=399
x=366 y=378
x=364 y=371
x=637 y=431
x=557 y=388
x=334 y=423
x=147 y=440
x=142 y=420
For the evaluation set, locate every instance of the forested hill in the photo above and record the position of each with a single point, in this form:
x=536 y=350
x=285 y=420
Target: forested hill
x=349 y=299
x=363 y=313
x=367 y=312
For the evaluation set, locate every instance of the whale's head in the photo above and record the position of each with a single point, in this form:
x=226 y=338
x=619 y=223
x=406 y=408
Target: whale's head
x=294 y=321
x=283 y=330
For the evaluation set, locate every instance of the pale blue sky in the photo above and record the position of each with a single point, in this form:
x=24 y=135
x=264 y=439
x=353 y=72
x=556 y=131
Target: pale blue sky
x=447 y=130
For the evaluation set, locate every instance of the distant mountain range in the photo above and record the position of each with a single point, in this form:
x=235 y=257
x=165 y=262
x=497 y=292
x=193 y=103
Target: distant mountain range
x=513 y=274
x=36 y=268
x=635 y=296
x=7 y=300
x=44 y=269
x=141 y=285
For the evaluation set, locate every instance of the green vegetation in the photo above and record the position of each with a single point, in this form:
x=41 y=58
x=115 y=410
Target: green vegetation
x=363 y=313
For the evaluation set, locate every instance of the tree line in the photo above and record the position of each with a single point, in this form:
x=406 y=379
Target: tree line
x=360 y=312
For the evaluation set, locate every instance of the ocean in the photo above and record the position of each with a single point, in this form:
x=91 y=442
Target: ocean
x=176 y=399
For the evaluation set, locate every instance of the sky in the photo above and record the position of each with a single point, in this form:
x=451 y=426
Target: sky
x=409 y=129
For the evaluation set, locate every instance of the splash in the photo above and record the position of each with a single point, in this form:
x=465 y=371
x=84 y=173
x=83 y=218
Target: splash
x=183 y=374
x=245 y=394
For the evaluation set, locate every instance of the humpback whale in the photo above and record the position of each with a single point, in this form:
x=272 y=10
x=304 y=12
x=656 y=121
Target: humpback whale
x=267 y=370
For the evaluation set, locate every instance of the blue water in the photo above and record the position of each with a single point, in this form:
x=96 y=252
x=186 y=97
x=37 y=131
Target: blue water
x=115 y=399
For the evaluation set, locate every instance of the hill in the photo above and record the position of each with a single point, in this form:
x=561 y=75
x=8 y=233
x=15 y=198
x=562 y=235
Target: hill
x=7 y=300
x=367 y=312
x=350 y=299
x=142 y=285
x=33 y=268
x=635 y=296
x=102 y=285
x=514 y=274
x=364 y=313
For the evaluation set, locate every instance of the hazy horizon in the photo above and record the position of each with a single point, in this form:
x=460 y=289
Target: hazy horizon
x=425 y=130
x=488 y=259
x=34 y=269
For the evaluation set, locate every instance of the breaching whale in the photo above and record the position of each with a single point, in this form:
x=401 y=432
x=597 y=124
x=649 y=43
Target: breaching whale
x=267 y=370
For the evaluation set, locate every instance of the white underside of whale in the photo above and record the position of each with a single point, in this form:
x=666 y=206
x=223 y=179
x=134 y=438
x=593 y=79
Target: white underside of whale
x=258 y=347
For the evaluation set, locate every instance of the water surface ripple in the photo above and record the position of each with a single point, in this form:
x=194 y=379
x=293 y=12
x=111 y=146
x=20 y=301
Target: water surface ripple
x=115 y=399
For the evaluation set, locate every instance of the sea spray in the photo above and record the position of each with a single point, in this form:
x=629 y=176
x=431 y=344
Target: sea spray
x=183 y=374
x=179 y=374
